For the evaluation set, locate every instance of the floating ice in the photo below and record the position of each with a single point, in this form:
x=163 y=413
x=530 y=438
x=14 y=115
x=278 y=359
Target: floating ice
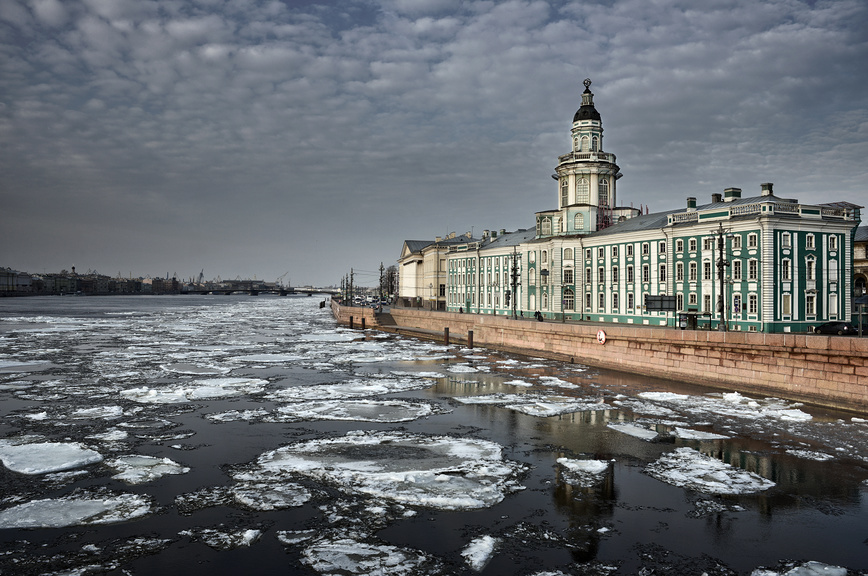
x=732 y=404
x=80 y=509
x=634 y=430
x=43 y=457
x=479 y=552
x=196 y=390
x=461 y=368
x=438 y=472
x=358 y=410
x=556 y=407
x=811 y=455
x=223 y=539
x=688 y=468
x=185 y=368
x=583 y=472
x=102 y=412
x=269 y=358
x=554 y=381
x=8 y=366
x=356 y=388
x=135 y=469
x=812 y=568
x=687 y=434
x=348 y=556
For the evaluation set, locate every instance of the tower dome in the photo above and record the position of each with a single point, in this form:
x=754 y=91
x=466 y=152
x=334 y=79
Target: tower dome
x=587 y=111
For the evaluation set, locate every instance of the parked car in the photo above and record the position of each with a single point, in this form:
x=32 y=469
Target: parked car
x=839 y=328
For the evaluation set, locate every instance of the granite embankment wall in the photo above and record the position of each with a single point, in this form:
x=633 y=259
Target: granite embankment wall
x=825 y=370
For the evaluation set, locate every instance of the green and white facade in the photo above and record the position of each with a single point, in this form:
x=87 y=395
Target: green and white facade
x=786 y=265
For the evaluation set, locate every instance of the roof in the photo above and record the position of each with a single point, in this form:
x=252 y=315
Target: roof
x=642 y=223
x=511 y=239
x=861 y=234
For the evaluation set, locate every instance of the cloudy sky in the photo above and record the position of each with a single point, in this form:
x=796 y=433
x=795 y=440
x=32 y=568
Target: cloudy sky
x=258 y=138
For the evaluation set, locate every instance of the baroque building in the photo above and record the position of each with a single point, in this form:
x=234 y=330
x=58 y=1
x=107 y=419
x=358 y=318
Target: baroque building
x=756 y=262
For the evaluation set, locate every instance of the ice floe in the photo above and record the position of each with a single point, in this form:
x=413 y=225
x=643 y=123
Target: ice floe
x=208 y=389
x=357 y=410
x=353 y=388
x=437 y=472
x=584 y=472
x=688 y=434
x=535 y=404
x=44 y=457
x=348 y=556
x=691 y=469
x=731 y=404
x=137 y=469
x=479 y=551
x=223 y=539
x=634 y=430
x=83 y=508
x=811 y=568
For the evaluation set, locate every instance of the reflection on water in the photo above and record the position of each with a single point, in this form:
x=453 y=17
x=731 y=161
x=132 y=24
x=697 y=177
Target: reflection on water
x=215 y=384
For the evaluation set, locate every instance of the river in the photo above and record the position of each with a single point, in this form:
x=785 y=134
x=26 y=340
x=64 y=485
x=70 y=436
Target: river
x=253 y=435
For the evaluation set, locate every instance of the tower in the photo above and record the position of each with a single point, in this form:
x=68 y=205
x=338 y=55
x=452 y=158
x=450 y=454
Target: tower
x=587 y=175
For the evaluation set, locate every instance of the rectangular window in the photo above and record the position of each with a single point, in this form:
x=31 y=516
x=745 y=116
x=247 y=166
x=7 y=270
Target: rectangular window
x=751 y=240
x=810 y=307
x=588 y=278
x=736 y=242
x=601 y=252
x=706 y=270
x=679 y=301
x=809 y=241
x=661 y=248
x=614 y=251
x=751 y=304
x=833 y=242
x=646 y=273
x=679 y=272
x=692 y=276
x=629 y=274
x=615 y=301
x=753 y=270
x=679 y=246
x=630 y=301
x=736 y=270
x=601 y=274
x=629 y=250
x=662 y=273
x=568 y=276
x=786 y=270
x=706 y=303
x=691 y=299
x=646 y=248
x=693 y=244
x=588 y=301
x=587 y=253
x=809 y=270
x=615 y=275
x=786 y=304
x=707 y=243
x=601 y=301
x=785 y=240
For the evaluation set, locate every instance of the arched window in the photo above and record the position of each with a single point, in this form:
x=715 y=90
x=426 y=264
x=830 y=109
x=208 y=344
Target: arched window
x=579 y=222
x=585 y=144
x=604 y=192
x=565 y=188
x=575 y=144
x=569 y=299
x=544 y=257
x=531 y=276
x=568 y=254
x=547 y=227
x=582 y=191
x=545 y=300
x=594 y=144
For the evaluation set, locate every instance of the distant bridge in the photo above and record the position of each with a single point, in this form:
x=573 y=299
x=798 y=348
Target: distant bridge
x=255 y=290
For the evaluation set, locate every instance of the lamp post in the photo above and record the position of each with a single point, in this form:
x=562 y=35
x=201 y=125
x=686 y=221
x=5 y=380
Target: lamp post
x=722 y=264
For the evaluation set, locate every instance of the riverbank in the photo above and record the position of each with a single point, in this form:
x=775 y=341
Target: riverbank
x=828 y=371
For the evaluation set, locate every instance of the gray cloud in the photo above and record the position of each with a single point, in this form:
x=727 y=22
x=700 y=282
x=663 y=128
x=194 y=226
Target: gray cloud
x=256 y=137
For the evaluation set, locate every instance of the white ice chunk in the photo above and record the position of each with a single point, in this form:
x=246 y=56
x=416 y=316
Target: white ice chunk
x=358 y=410
x=350 y=557
x=44 y=457
x=634 y=430
x=479 y=552
x=688 y=434
x=438 y=472
x=136 y=469
x=104 y=412
x=224 y=539
x=811 y=568
x=811 y=455
x=76 y=510
x=688 y=468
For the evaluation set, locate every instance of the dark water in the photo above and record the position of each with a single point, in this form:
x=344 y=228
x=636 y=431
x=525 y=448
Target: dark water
x=76 y=353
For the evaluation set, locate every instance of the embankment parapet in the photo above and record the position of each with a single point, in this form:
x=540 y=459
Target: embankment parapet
x=825 y=370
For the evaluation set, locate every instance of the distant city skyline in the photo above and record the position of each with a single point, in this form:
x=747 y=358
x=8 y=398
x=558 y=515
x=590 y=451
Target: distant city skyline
x=270 y=138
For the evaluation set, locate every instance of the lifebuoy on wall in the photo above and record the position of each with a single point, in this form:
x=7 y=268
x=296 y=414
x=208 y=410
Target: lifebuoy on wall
x=601 y=337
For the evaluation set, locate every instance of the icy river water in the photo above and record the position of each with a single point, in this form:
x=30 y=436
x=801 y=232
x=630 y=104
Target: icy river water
x=253 y=435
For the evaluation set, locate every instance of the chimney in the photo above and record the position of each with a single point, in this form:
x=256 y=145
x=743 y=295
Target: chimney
x=767 y=189
x=502 y=231
x=731 y=194
x=691 y=204
x=716 y=198
x=437 y=238
x=485 y=234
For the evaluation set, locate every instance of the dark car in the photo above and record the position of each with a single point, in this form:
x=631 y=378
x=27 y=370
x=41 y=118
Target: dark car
x=839 y=328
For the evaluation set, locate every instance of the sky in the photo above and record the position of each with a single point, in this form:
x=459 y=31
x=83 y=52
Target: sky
x=306 y=139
